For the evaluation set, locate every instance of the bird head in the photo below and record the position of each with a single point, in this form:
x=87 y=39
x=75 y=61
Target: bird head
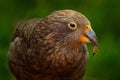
x=73 y=27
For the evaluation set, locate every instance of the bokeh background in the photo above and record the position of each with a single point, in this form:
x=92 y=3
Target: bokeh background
x=105 y=19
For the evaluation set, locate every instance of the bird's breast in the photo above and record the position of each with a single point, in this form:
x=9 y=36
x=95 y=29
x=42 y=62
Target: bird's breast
x=65 y=61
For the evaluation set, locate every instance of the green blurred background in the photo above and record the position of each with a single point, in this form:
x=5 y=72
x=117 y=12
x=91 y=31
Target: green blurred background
x=105 y=19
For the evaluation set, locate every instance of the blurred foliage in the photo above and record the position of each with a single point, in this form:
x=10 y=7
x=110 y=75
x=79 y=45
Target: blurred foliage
x=103 y=14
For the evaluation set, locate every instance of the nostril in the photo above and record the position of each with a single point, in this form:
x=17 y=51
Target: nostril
x=87 y=27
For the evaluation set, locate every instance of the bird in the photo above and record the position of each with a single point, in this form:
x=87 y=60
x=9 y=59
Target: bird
x=51 y=48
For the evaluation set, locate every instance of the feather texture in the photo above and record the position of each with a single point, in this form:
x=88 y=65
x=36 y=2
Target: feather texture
x=46 y=49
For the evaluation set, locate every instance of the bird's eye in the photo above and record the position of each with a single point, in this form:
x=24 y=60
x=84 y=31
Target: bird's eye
x=72 y=25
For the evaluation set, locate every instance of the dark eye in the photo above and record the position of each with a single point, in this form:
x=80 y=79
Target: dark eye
x=72 y=25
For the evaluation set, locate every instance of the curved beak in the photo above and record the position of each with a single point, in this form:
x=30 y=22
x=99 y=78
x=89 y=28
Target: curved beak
x=90 y=34
x=90 y=37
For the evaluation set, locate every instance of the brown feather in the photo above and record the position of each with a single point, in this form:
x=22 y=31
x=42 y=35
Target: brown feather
x=46 y=49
